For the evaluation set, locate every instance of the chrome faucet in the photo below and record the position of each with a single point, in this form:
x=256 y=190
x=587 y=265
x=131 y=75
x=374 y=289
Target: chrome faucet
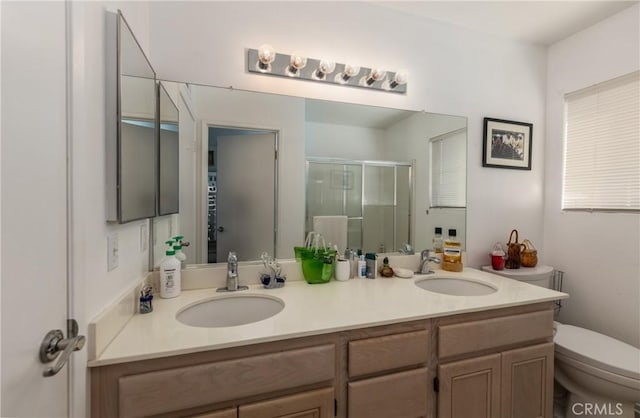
x=233 y=279
x=425 y=259
x=232 y=272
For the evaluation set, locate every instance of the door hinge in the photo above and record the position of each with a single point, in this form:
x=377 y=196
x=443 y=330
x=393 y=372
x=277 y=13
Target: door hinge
x=436 y=384
x=335 y=407
x=276 y=155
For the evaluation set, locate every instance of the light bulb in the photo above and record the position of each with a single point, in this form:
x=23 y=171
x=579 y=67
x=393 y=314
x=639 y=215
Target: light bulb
x=296 y=63
x=399 y=79
x=266 y=55
x=324 y=68
x=349 y=71
x=376 y=74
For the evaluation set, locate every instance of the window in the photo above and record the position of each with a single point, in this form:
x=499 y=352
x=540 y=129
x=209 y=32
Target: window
x=602 y=146
x=449 y=169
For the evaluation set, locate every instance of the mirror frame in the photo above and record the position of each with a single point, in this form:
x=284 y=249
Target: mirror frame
x=163 y=91
x=116 y=23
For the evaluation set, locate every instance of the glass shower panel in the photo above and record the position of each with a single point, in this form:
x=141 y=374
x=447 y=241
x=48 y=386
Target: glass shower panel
x=379 y=206
x=403 y=206
x=334 y=190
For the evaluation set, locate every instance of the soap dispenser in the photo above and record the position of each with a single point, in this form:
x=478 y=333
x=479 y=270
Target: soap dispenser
x=170 y=275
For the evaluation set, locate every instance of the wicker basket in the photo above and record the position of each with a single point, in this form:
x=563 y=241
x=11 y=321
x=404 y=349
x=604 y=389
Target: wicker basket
x=529 y=254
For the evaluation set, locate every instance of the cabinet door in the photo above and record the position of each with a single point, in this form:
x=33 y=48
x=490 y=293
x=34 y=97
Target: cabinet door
x=312 y=404
x=470 y=388
x=527 y=382
x=401 y=394
x=225 y=413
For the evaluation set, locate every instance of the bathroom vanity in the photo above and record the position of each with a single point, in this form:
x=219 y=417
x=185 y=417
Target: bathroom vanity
x=363 y=348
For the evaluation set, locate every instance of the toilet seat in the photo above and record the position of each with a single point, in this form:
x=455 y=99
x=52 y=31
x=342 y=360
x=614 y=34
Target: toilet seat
x=598 y=350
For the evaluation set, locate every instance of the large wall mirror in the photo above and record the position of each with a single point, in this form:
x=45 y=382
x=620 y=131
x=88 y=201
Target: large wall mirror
x=391 y=176
x=131 y=126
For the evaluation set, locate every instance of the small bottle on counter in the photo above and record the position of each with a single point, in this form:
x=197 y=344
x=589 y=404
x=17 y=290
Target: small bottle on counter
x=437 y=241
x=371 y=262
x=362 y=266
x=452 y=253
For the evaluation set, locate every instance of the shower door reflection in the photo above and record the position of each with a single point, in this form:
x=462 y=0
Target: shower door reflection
x=374 y=196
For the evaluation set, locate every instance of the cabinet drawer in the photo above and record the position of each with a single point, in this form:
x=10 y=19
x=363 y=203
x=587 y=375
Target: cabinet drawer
x=475 y=336
x=226 y=413
x=312 y=404
x=389 y=352
x=187 y=387
x=401 y=394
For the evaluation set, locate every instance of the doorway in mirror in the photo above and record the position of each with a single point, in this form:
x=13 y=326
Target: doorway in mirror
x=241 y=191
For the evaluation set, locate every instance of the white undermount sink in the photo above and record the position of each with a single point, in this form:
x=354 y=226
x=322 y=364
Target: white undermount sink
x=229 y=311
x=456 y=286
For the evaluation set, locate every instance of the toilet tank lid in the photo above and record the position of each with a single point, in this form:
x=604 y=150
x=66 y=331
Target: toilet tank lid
x=538 y=271
x=598 y=349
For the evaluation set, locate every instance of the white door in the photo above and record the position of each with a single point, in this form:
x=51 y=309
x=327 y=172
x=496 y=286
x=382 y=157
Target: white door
x=245 y=199
x=34 y=205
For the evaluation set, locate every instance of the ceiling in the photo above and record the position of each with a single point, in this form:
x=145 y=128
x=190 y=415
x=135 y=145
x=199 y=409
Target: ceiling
x=539 y=22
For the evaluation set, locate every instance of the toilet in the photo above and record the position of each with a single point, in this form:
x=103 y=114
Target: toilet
x=601 y=374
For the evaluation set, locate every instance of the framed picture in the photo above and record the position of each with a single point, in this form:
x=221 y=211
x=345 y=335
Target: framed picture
x=507 y=144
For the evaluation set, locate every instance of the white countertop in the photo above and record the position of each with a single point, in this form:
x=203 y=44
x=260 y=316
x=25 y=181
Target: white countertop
x=310 y=310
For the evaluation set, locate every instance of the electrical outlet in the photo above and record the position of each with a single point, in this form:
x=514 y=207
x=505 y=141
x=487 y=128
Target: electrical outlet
x=112 y=251
x=144 y=237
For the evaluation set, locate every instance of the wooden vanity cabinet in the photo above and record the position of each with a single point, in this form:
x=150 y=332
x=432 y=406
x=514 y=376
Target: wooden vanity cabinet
x=512 y=379
x=490 y=364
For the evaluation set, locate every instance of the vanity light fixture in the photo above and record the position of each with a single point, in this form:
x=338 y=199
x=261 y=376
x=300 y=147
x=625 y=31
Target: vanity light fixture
x=266 y=55
x=265 y=60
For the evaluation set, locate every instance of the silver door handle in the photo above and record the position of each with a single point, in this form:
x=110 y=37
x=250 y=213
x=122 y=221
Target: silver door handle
x=54 y=343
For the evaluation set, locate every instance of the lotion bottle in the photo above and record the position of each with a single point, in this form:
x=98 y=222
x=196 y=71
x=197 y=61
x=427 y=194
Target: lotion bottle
x=170 y=276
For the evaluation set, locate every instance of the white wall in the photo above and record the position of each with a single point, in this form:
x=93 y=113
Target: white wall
x=93 y=286
x=343 y=141
x=409 y=140
x=453 y=71
x=598 y=251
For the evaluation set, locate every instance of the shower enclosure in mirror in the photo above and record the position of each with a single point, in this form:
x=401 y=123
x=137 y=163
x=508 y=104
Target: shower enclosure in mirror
x=359 y=204
x=131 y=126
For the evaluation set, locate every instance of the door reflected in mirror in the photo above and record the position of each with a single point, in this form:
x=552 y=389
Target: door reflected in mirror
x=241 y=192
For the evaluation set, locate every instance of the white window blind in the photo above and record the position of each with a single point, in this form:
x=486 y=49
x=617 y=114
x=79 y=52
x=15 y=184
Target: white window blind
x=602 y=146
x=449 y=169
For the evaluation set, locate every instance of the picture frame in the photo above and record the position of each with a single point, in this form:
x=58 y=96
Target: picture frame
x=507 y=144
